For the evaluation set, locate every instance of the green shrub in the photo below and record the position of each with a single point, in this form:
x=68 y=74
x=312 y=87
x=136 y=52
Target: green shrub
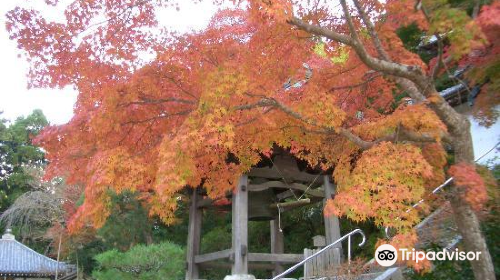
x=159 y=261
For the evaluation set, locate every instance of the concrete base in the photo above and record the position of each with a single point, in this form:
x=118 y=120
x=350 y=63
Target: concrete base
x=240 y=277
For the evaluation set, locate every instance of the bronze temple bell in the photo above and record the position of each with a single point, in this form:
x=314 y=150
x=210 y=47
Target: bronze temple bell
x=260 y=205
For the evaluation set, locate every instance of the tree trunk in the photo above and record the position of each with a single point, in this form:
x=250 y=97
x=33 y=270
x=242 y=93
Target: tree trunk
x=465 y=218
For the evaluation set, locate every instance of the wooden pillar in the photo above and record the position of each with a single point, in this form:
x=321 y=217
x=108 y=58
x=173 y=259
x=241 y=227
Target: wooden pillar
x=332 y=225
x=277 y=245
x=194 y=236
x=240 y=227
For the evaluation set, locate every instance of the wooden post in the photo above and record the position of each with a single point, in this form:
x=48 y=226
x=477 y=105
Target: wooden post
x=277 y=245
x=240 y=227
x=194 y=235
x=332 y=225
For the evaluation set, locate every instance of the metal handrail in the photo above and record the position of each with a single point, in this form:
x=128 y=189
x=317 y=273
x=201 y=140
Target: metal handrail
x=348 y=236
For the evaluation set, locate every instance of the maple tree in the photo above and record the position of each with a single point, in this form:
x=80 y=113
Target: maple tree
x=318 y=79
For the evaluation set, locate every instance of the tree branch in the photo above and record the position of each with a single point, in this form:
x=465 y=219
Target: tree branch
x=440 y=62
x=350 y=23
x=373 y=33
x=400 y=70
x=406 y=84
x=356 y=85
x=165 y=116
x=404 y=135
x=321 y=31
x=411 y=78
x=151 y=101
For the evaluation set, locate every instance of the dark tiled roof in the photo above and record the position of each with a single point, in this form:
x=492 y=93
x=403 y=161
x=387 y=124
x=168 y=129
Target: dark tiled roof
x=18 y=259
x=449 y=92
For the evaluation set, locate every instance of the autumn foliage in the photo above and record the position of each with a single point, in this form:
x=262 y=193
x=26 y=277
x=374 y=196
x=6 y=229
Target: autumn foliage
x=385 y=180
x=486 y=64
x=469 y=184
x=212 y=103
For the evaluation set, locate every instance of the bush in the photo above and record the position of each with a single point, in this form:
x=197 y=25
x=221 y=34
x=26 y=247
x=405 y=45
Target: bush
x=159 y=261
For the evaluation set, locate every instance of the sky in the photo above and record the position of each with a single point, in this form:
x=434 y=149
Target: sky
x=57 y=104
x=15 y=99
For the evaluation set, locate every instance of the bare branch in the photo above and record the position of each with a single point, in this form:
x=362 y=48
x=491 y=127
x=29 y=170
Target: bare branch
x=411 y=78
x=405 y=135
x=164 y=116
x=356 y=85
x=396 y=69
x=440 y=62
x=373 y=33
x=320 y=31
x=350 y=23
x=33 y=211
x=151 y=101
x=406 y=84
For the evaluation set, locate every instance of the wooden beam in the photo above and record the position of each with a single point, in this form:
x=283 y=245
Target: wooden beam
x=282 y=258
x=318 y=193
x=277 y=245
x=307 y=189
x=213 y=256
x=284 y=206
x=226 y=265
x=332 y=224
x=194 y=237
x=291 y=204
x=290 y=193
x=284 y=195
x=291 y=175
x=206 y=202
x=240 y=227
x=266 y=185
x=281 y=185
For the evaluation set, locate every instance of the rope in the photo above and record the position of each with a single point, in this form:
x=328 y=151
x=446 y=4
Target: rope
x=310 y=185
